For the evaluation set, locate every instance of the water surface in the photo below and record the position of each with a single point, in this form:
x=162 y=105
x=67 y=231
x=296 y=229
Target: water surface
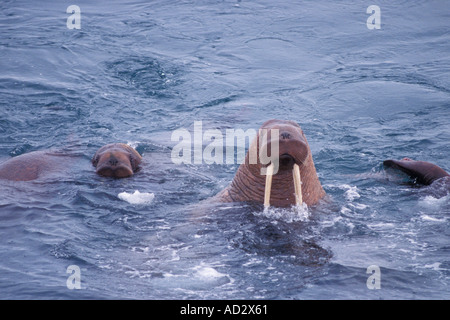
x=137 y=71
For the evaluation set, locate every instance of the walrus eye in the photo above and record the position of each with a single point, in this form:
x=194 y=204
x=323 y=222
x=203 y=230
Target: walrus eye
x=95 y=160
x=133 y=162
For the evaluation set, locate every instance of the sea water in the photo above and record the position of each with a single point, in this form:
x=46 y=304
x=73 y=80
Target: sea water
x=134 y=72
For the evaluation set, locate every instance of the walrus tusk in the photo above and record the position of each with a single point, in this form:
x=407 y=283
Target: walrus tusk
x=268 y=187
x=297 y=185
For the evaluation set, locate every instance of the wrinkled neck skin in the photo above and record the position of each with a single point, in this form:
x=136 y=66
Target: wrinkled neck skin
x=249 y=184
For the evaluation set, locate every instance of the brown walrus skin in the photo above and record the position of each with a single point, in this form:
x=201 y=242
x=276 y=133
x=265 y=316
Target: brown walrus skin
x=113 y=160
x=425 y=172
x=30 y=166
x=249 y=184
x=116 y=160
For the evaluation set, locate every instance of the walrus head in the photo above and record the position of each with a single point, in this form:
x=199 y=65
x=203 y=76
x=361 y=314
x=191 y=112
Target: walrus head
x=288 y=143
x=278 y=168
x=425 y=172
x=116 y=160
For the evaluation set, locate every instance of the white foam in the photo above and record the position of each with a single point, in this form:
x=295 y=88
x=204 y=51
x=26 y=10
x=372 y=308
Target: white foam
x=137 y=197
x=430 y=201
x=429 y=218
x=351 y=193
x=381 y=225
x=345 y=210
x=358 y=206
x=293 y=214
x=434 y=266
x=133 y=144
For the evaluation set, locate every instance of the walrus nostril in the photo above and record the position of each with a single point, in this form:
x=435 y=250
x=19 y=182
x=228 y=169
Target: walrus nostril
x=285 y=135
x=113 y=161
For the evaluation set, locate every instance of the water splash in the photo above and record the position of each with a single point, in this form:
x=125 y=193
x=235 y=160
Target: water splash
x=293 y=214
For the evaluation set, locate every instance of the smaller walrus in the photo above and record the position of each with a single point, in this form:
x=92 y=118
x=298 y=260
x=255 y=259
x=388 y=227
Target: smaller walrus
x=113 y=160
x=116 y=160
x=284 y=179
x=425 y=172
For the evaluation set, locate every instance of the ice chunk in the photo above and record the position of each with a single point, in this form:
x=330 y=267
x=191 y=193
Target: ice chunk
x=137 y=197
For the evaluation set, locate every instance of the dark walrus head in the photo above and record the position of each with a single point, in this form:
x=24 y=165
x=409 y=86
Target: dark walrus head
x=116 y=160
x=425 y=172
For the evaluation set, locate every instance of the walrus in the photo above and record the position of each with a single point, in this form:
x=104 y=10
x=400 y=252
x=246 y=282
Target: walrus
x=424 y=172
x=288 y=179
x=116 y=160
x=113 y=160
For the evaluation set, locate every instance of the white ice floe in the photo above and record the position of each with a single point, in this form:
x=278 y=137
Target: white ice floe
x=208 y=273
x=137 y=197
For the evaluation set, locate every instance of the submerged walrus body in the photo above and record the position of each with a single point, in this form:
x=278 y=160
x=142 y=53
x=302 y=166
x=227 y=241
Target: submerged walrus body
x=250 y=181
x=31 y=166
x=116 y=160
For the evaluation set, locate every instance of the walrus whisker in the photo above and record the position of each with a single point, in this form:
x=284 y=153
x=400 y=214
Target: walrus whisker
x=268 y=186
x=297 y=184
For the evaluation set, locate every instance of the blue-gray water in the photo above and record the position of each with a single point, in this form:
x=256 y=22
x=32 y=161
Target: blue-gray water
x=137 y=71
